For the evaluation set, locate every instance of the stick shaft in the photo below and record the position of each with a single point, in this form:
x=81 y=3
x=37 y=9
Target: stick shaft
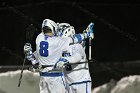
x=89 y=48
x=80 y=63
x=21 y=71
x=69 y=63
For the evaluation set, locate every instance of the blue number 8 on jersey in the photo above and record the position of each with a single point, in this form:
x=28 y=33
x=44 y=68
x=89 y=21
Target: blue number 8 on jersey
x=43 y=49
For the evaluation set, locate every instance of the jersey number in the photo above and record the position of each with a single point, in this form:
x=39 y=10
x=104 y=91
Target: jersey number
x=43 y=49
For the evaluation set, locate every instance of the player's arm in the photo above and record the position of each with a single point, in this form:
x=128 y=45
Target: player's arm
x=65 y=42
x=88 y=33
x=29 y=54
x=64 y=60
x=78 y=55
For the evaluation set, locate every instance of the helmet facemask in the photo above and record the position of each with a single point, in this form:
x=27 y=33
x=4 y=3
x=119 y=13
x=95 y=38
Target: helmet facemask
x=62 y=27
x=68 y=32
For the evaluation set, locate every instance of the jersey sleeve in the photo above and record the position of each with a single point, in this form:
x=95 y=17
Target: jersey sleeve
x=78 y=38
x=73 y=40
x=64 y=43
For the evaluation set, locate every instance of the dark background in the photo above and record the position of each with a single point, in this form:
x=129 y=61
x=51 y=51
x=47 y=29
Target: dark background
x=115 y=48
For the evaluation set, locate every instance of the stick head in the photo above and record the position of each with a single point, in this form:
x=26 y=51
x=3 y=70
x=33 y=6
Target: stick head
x=30 y=31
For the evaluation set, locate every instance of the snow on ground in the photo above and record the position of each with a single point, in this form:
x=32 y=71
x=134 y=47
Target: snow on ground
x=9 y=82
x=30 y=83
x=130 y=84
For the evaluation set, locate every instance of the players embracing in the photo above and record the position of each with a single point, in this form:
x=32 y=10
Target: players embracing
x=58 y=45
x=77 y=76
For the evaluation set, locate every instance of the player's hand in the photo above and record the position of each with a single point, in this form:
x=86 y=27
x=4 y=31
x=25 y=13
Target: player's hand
x=34 y=68
x=28 y=52
x=91 y=35
x=60 y=63
x=89 y=30
x=27 y=47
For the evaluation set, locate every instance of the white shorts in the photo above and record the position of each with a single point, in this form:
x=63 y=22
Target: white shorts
x=80 y=88
x=52 y=83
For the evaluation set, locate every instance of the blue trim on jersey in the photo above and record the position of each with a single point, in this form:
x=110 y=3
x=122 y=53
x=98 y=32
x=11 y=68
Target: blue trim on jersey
x=63 y=82
x=46 y=36
x=60 y=34
x=75 y=83
x=78 y=36
x=72 y=39
x=52 y=74
x=63 y=60
x=86 y=87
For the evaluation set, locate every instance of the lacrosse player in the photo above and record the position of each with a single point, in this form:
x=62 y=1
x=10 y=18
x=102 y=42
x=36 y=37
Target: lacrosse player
x=77 y=76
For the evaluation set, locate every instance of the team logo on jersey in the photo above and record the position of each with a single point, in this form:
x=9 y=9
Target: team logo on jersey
x=66 y=54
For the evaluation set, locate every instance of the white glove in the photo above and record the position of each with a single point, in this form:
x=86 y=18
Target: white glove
x=60 y=63
x=89 y=30
x=91 y=35
x=27 y=47
x=34 y=68
x=28 y=52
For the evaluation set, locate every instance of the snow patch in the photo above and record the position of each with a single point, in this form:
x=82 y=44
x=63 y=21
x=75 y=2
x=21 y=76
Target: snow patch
x=9 y=82
x=130 y=84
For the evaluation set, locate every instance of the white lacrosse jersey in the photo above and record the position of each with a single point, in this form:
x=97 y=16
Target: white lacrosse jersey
x=49 y=49
x=79 y=72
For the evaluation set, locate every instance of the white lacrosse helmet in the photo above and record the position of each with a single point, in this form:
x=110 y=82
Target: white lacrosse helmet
x=61 y=27
x=68 y=32
x=51 y=24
